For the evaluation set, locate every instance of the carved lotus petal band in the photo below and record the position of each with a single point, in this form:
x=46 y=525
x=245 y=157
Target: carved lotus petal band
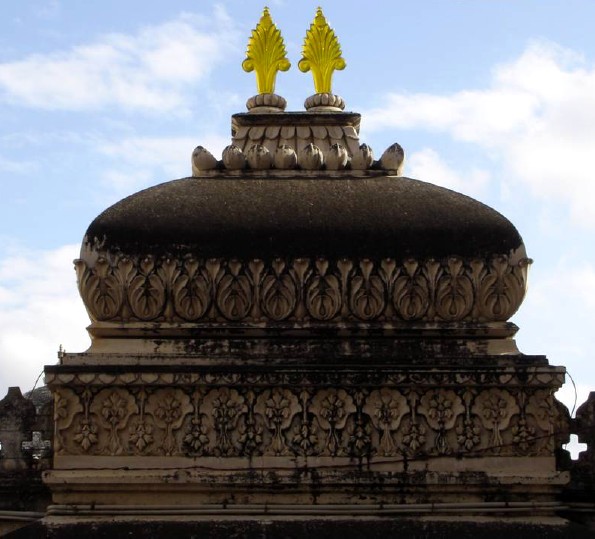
x=187 y=289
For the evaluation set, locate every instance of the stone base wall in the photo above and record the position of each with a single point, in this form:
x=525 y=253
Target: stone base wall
x=374 y=433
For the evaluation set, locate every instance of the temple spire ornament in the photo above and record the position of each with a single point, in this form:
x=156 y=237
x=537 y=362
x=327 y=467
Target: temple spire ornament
x=321 y=54
x=266 y=56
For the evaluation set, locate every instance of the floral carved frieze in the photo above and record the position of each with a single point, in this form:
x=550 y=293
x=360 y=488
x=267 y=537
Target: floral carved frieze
x=149 y=289
x=330 y=421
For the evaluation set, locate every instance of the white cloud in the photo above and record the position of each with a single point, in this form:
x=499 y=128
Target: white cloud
x=39 y=309
x=556 y=318
x=537 y=118
x=16 y=167
x=428 y=166
x=143 y=161
x=151 y=70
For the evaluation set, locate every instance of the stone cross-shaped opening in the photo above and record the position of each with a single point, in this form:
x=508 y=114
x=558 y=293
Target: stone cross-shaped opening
x=37 y=447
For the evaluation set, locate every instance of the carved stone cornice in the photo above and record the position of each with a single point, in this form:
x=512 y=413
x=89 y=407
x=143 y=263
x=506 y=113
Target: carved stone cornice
x=351 y=376
x=334 y=292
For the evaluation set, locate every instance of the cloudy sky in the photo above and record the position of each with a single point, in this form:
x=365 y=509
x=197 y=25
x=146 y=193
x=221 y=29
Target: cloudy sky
x=495 y=99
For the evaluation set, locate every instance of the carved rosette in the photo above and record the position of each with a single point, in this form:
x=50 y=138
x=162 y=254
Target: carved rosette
x=249 y=419
x=189 y=289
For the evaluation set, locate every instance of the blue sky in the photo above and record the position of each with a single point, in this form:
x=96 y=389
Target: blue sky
x=495 y=99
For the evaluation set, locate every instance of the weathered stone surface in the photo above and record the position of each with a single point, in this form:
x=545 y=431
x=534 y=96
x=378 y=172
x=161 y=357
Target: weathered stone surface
x=304 y=528
x=302 y=216
x=17 y=418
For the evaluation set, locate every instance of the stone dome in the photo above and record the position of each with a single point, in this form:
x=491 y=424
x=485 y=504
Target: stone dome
x=302 y=216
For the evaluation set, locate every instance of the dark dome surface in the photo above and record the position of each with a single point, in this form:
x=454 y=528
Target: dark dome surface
x=382 y=216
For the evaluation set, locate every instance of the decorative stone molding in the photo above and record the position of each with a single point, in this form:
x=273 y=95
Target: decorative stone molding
x=338 y=421
x=339 y=150
x=393 y=159
x=332 y=133
x=324 y=102
x=202 y=160
x=298 y=137
x=264 y=103
x=189 y=289
x=512 y=379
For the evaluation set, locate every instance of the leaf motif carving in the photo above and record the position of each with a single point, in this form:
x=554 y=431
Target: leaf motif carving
x=278 y=294
x=146 y=291
x=323 y=297
x=100 y=289
x=323 y=293
x=191 y=292
x=367 y=295
x=234 y=294
x=454 y=293
x=411 y=294
x=500 y=291
x=185 y=289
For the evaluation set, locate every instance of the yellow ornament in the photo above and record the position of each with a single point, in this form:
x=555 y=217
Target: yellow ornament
x=266 y=54
x=321 y=53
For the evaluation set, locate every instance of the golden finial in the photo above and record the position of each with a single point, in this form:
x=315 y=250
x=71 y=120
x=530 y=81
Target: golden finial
x=321 y=53
x=266 y=54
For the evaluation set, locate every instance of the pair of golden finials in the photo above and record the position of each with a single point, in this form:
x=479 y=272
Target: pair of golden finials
x=266 y=54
